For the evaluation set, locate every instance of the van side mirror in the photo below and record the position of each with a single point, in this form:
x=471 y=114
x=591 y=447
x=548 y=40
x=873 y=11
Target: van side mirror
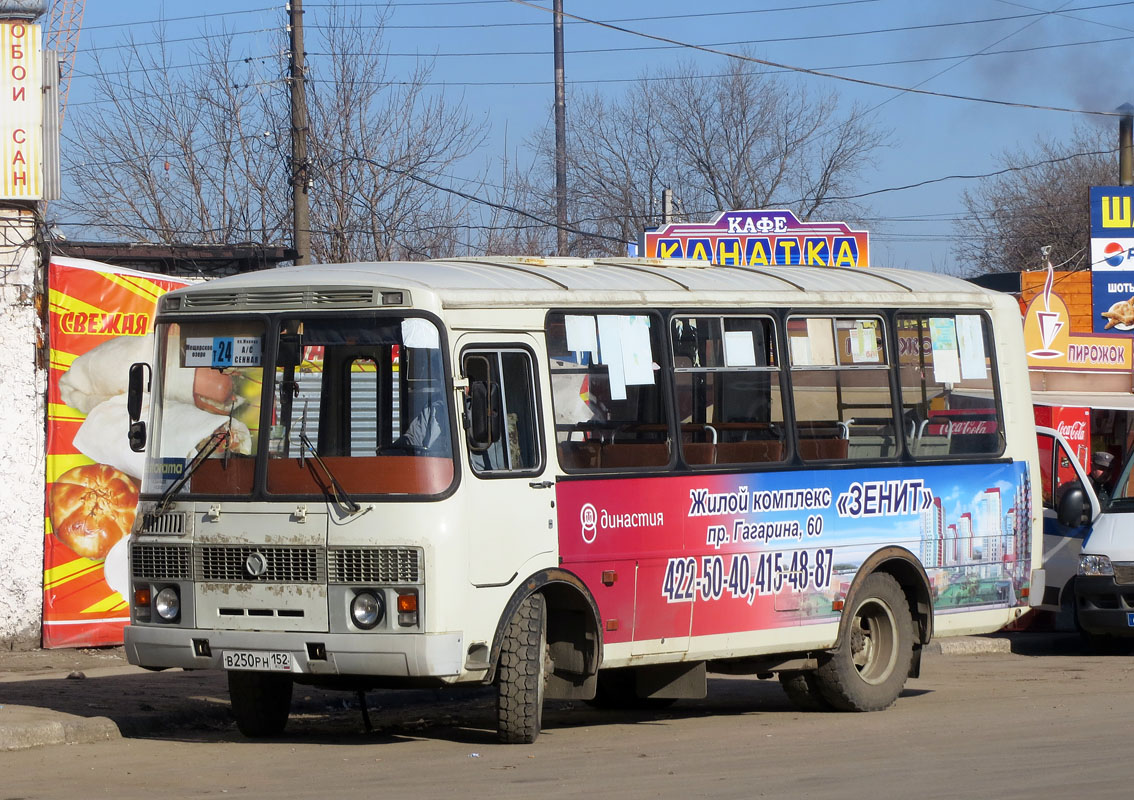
x=482 y=422
x=1073 y=507
x=138 y=385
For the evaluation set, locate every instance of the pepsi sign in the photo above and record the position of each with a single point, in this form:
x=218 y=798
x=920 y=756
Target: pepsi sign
x=1112 y=258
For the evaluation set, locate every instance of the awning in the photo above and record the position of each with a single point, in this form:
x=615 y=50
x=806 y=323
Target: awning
x=1121 y=401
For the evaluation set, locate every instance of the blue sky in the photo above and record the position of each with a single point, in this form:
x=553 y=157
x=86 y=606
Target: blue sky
x=1080 y=58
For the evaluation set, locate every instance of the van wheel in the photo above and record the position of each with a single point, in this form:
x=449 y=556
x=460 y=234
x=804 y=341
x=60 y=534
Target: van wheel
x=802 y=689
x=261 y=702
x=870 y=664
x=522 y=673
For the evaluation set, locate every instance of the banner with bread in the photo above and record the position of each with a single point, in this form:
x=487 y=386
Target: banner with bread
x=101 y=322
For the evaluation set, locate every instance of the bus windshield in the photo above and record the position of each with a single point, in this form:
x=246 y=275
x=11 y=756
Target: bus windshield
x=354 y=403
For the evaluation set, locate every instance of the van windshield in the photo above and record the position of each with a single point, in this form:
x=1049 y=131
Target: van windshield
x=359 y=398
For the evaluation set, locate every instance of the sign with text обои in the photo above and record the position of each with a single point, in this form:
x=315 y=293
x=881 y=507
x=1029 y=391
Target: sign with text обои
x=760 y=239
x=1112 y=258
x=21 y=112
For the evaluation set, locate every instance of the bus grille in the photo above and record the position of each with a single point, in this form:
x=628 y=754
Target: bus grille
x=233 y=564
x=373 y=565
x=1124 y=573
x=160 y=562
x=169 y=522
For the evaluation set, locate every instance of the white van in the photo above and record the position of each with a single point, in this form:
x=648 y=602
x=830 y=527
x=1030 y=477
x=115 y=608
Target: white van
x=1088 y=546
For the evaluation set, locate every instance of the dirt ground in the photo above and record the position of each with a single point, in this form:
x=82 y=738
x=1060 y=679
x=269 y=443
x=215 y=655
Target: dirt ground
x=1038 y=723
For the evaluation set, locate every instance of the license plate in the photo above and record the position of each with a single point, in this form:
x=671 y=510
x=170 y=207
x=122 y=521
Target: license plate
x=258 y=660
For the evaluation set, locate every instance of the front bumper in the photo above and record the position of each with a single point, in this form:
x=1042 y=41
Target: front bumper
x=402 y=655
x=1104 y=606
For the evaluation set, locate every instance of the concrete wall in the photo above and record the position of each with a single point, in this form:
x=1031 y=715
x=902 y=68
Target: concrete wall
x=22 y=437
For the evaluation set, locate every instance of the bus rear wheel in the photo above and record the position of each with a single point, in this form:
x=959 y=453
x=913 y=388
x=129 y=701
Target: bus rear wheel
x=522 y=673
x=871 y=662
x=261 y=702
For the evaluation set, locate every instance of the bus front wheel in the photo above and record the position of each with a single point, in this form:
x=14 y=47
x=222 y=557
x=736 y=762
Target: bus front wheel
x=869 y=667
x=261 y=702
x=522 y=673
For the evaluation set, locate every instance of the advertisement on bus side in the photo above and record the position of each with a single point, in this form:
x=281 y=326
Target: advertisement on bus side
x=710 y=554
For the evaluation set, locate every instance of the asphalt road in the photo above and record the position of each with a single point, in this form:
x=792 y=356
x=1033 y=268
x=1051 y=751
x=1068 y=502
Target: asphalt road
x=1038 y=723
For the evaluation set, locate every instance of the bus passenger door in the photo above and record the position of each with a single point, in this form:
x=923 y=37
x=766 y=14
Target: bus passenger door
x=1060 y=472
x=508 y=489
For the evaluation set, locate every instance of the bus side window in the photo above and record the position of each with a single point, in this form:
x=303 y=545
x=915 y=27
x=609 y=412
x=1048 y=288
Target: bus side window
x=727 y=389
x=607 y=394
x=950 y=398
x=516 y=450
x=840 y=383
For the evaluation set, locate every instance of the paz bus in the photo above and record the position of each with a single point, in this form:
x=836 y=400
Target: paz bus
x=598 y=480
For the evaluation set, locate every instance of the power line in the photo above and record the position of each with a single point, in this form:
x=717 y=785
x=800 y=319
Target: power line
x=701 y=15
x=196 y=38
x=833 y=76
x=202 y=17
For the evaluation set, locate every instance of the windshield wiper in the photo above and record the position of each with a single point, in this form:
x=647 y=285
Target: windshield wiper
x=217 y=438
x=333 y=489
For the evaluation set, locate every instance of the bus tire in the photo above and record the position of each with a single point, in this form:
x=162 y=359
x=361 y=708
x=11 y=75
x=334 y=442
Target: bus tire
x=802 y=689
x=869 y=666
x=261 y=702
x=522 y=673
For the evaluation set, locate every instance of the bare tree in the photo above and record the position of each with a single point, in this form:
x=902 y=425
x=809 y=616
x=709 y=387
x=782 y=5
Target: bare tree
x=170 y=155
x=1043 y=200
x=381 y=151
x=741 y=141
x=202 y=156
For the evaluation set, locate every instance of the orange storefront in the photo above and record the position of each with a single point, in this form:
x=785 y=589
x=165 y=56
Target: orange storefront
x=1079 y=379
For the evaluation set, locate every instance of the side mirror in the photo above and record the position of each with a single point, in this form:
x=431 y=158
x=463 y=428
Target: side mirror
x=137 y=436
x=139 y=384
x=1073 y=507
x=482 y=422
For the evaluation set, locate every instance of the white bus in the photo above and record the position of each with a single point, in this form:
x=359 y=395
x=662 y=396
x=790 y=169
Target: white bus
x=596 y=480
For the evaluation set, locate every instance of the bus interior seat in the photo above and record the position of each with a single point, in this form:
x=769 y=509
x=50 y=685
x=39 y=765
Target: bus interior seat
x=823 y=449
x=754 y=451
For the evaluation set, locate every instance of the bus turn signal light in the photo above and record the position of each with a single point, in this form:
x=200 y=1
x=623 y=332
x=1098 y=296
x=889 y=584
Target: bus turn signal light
x=407 y=609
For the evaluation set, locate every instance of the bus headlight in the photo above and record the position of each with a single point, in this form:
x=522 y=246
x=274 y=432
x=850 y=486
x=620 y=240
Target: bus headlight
x=1095 y=565
x=367 y=609
x=167 y=604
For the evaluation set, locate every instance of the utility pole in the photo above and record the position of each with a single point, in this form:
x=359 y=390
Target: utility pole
x=301 y=208
x=1126 y=145
x=666 y=206
x=560 y=134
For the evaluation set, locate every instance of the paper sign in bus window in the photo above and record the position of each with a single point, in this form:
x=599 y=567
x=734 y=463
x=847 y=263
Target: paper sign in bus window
x=198 y=352
x=739 y=349
x=637 y=355
x=862 y=342
x=946 y=361
x=800 y=351
x=610 y=353
x=970 y=340
x=581 y=334
x=822 y=340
